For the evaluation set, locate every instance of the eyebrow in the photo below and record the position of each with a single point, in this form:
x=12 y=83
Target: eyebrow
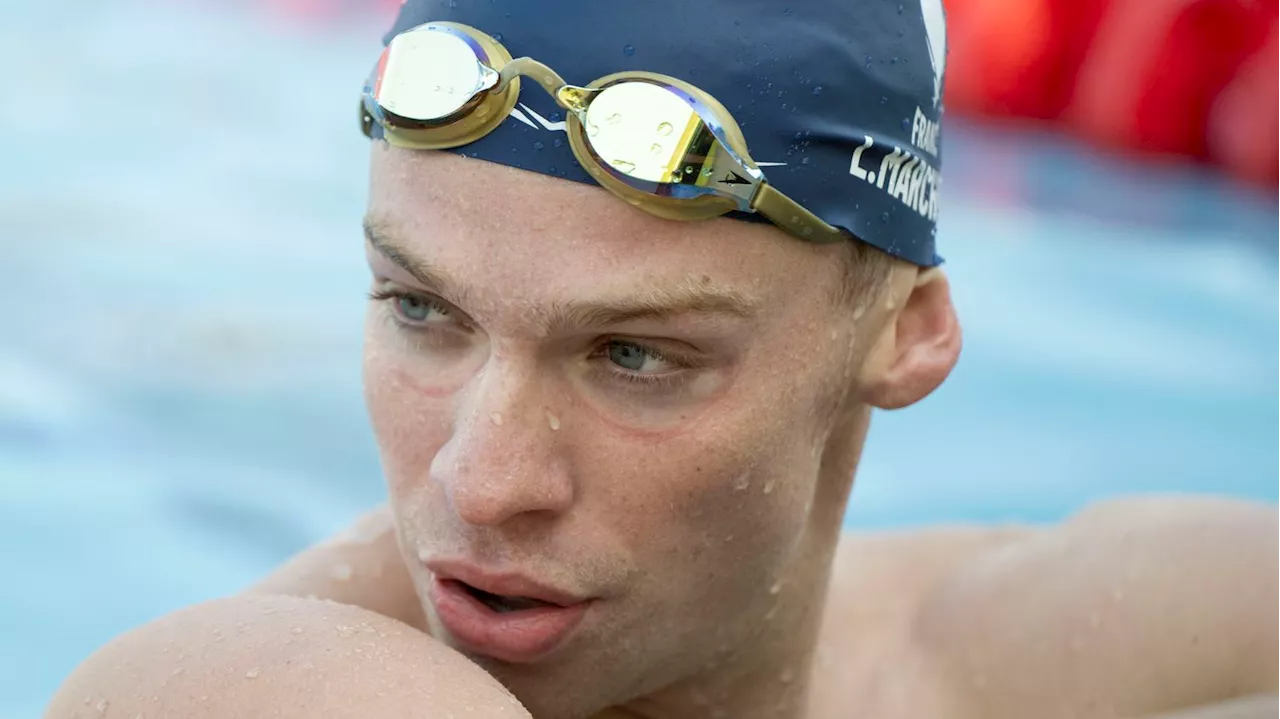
x=655 y=303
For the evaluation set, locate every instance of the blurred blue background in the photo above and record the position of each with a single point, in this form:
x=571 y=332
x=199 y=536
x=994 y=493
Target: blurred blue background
x=181 y=281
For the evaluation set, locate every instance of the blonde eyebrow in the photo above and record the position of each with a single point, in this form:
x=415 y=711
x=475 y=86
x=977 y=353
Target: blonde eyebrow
x=656 y=303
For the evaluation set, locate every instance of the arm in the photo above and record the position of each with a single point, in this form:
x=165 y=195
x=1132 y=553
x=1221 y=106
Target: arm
x=361 y=566
x=1137 y=607
x=1255 y=707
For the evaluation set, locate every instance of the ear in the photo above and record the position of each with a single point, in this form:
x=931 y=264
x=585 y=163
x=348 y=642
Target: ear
x=917 y=348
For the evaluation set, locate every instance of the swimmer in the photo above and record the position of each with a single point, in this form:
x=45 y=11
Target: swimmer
x=640 y=274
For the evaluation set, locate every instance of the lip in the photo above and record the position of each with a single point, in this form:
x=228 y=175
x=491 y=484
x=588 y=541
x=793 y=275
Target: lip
x=510 y=584
x=518 y=637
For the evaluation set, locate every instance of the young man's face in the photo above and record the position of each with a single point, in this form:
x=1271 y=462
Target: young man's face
x=625 y=408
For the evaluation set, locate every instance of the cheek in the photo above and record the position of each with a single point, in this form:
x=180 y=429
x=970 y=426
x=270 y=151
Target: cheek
x=410 y=421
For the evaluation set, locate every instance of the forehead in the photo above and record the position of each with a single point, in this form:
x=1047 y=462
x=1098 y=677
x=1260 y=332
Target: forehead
x=489 y=225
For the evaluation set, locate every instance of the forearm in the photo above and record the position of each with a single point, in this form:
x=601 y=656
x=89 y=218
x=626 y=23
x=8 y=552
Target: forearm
x=361 y=566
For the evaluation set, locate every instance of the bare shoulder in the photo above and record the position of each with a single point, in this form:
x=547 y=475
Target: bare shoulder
x=1133 y=607
x=279 y=656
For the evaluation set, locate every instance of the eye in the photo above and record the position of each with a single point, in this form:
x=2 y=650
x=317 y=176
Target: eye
x=418 y=309
x=637 y=358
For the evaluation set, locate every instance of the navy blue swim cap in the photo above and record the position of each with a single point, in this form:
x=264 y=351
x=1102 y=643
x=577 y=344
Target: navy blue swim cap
x=839 y=102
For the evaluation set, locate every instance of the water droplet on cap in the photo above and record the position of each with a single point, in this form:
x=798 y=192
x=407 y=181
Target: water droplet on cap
x=817 y=89
x=884 y=216
x=497 y=36
x=557 y=142
x=614 y=119
x=688 y=169
x=624 y=166
x=538 y=145
x=628 y=50
x=655 y=149
x=665 y=128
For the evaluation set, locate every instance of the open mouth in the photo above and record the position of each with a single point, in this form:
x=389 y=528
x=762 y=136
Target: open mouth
x=504 y=604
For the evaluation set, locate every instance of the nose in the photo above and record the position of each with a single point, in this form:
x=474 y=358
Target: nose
x=501 y=462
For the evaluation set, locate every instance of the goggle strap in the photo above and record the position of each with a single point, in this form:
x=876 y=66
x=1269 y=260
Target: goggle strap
x=789 y=215
x=534 y=70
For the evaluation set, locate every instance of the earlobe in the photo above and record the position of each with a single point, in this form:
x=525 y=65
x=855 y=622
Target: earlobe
x=917 y=348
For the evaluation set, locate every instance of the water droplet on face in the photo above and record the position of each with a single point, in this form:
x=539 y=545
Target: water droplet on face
x=817 y=89
x=624 y=166
x=776 y=588
x=297 y=630
x=768 y=487
x=628 y=50
x=253 y=673
x=665 y=128
x=553 y=421
x=423 y=555
x=496 y=418
x=786 y=676
x=102 y=706
x=340 y=572
x=741 y=483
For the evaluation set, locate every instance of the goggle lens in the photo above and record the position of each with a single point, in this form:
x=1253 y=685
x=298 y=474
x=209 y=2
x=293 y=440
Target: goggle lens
x=428 y=75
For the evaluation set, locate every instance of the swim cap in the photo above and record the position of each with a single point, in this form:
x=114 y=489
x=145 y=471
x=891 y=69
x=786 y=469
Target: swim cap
x=839 y=102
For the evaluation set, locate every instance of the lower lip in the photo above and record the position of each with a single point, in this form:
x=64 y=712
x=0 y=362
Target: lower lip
x=518 y=637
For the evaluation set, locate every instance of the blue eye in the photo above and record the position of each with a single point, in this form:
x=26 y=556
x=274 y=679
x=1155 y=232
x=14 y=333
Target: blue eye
x=627 y=356
x=417 y=310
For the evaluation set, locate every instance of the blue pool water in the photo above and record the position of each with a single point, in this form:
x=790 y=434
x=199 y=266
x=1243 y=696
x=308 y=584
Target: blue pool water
x=181 y=283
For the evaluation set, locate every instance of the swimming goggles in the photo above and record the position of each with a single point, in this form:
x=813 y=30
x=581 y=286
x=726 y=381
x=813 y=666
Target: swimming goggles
x=657 y=142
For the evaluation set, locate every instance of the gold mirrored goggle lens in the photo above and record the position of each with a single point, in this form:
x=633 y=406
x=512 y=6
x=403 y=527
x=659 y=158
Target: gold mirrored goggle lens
x=647 y=132
x=429 y=75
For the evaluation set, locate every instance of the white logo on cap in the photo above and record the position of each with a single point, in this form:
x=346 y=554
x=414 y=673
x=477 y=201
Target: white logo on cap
x=935 y=28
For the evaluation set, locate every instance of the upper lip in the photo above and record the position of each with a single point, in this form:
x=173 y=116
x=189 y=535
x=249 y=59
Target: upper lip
x=507 y=584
